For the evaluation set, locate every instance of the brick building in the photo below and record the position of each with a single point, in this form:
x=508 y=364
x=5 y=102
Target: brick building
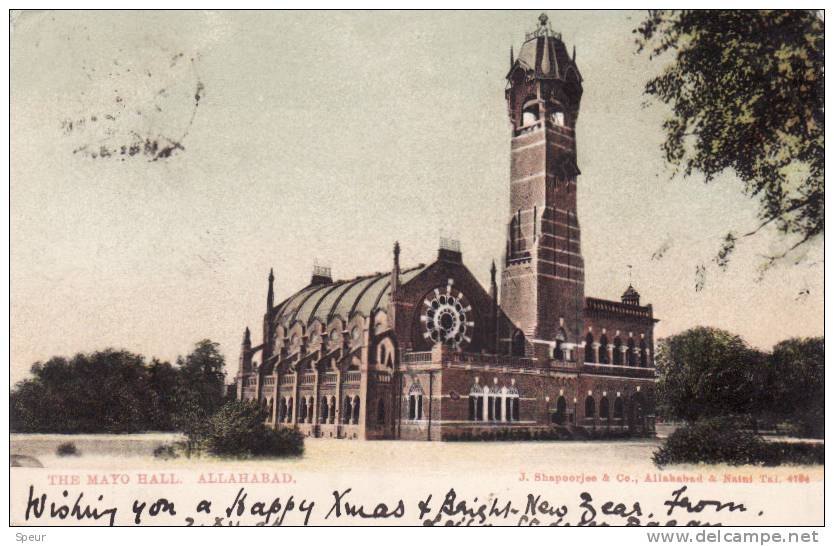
x=426 y=352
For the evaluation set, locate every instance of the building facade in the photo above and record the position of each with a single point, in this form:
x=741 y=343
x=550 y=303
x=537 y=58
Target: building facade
x=427 y=353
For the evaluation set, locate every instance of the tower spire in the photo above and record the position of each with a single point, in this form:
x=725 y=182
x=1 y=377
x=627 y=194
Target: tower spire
x=512 y=57
x=393 y=300
x=270 y=294
x=245 y=362
x=493 y=285
x=395 y=272
x=493 y=293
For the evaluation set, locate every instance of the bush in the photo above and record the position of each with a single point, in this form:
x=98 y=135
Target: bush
x=167 y=451
x=238 y=430
x=726 y=440
x=776 y=453
x=67 y=449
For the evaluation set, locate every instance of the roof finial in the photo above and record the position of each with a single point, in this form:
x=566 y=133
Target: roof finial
x=543 y=20
x=493 y=286
x=270 y=293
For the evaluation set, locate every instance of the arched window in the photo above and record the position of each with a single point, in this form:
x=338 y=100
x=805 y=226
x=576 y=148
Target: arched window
x=497 y=409
x=589 y=348
x=282 y=410
x=332 y=409
x=476 y=403
x=558 y=352
x=603 y=408
x=590 y=407
x=529 y=117
x=644 y=354
x=290 y=407
x=561 y=410
x=415 y=402
x=310 y=405
x=637 y=408
x=511 y=403
x=557 y=118
x=348 y=410
x=386 y=355
x=513 y=242
x=530 y=112
x=302 y=410
x=618 y=408
x=518 y=344
x=618 y=352
x=603 y=349
x=324 y=411
x=490 y=404
x=269 y=409
x=356 y=410
x=630 y=356
x=380 y=411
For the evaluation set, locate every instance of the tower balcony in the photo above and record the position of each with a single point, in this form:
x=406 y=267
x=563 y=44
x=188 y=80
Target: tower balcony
x=519 y=258
x=538 y=125
x=430 y=359
x=621 y=371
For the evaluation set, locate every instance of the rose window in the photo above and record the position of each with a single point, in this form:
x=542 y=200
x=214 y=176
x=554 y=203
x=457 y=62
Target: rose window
x=447 y=317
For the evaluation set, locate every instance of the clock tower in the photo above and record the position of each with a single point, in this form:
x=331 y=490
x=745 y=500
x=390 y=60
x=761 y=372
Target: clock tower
x=542 y=281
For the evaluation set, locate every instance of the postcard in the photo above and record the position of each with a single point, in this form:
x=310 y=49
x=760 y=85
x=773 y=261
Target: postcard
x=417 y=268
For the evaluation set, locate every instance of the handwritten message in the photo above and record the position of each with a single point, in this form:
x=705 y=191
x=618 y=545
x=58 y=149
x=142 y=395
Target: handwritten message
x=452 y=506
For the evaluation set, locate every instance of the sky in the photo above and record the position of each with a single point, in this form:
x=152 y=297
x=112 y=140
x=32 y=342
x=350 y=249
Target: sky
x=162 y=163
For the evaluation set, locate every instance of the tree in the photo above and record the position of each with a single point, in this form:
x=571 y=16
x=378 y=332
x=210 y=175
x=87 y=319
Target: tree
x=707 y=372
x=746 y=90
x=205 y=358
x=164 y=380
x=201 y=381
x=117 y=391
x=797 y=383
x=104 y=391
